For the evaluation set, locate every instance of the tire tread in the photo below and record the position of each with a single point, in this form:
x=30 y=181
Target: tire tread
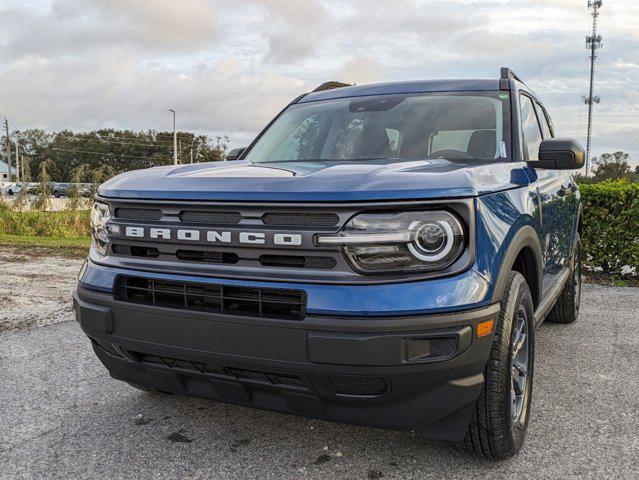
x=488 y=431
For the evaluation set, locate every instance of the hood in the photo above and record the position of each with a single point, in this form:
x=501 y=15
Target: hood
x=318 y=181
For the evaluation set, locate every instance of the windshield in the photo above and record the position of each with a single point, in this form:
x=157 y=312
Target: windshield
x=451 y=125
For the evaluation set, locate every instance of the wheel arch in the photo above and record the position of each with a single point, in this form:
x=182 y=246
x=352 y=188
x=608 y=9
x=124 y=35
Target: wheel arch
x=523 y=255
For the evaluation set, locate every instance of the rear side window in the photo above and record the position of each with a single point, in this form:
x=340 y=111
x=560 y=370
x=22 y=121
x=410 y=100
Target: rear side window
x=543 y=120
x=530 y=128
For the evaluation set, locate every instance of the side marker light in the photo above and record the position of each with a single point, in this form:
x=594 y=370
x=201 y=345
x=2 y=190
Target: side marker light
x=485 y=328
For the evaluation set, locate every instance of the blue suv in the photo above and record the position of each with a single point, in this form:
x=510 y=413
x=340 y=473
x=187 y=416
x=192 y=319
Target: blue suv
x=379 y=255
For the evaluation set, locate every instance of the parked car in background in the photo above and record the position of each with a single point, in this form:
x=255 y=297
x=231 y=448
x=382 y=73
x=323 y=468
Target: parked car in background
x=15 y=188
x=86 y=189
x=60 y=189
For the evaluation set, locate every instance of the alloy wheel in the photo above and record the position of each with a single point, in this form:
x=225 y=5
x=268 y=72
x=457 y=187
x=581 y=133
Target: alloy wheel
x=519 y=347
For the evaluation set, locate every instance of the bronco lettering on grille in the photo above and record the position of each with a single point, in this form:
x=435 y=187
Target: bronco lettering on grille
x=213 y=236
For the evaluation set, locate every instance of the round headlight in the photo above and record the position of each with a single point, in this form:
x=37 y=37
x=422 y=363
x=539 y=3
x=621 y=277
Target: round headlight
x=391 y=242
x=433 y=240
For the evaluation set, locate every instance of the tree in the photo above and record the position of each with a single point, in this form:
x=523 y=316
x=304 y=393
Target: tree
x=99 y=176
x=80 y=175
x=612 y=166
x=21 y=200
x=43 y=200
x=121 y=150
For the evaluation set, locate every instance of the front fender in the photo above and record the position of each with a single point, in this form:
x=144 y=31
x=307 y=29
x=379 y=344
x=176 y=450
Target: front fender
x=507 y=224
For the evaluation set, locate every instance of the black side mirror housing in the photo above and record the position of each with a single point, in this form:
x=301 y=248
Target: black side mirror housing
x=560 y=154
x=235 y=153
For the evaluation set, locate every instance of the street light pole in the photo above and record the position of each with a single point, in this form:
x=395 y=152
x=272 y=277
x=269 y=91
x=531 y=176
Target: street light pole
x=175 y=157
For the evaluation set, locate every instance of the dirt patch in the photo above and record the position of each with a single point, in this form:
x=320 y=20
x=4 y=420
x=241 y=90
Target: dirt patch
x=36 y=287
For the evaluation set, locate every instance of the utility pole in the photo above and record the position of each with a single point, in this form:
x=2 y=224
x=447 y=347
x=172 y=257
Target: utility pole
x=6 y=129
x=191 y=155
x=17 y=160
x=175 y=158
x=593 y=42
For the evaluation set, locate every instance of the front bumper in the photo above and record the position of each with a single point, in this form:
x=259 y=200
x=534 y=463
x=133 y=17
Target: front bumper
x=361 y=370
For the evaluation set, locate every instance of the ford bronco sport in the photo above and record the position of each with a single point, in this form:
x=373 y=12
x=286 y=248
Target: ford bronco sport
x=379 y=255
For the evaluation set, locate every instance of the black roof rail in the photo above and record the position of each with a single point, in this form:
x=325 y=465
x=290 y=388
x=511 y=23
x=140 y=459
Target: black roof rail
x=507 y=74
x=331 y=85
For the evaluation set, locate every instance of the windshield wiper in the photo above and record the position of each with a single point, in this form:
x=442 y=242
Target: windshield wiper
x=365 y=159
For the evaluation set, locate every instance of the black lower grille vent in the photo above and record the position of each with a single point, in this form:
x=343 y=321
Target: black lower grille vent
x=295 y=261
x=267 y=377
x=207 y=257
x=301 y=219
x=217 y=218
x=138 y=213
x=135 y=251
x=358 y=385
x=274 y=303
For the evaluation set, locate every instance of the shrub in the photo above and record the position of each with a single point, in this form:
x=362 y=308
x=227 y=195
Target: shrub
x=611 y=226
x=66 y=224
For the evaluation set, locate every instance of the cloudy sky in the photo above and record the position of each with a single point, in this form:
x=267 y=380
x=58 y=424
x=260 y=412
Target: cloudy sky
x=227 y=66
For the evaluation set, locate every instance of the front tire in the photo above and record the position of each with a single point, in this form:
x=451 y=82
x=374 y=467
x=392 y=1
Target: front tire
x=566 y=310
x=500 y=419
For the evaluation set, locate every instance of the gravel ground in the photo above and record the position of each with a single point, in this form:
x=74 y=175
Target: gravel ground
x=62 y=416
x=35 y=288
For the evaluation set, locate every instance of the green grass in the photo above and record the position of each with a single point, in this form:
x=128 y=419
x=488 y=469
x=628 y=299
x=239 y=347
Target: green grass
x=63 y=224
x=78 y=246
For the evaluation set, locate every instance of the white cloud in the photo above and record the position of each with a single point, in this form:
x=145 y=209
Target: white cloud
x=228 y=66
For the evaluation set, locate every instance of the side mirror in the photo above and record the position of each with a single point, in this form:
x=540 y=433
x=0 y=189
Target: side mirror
x=235 y=153
x=560 y=154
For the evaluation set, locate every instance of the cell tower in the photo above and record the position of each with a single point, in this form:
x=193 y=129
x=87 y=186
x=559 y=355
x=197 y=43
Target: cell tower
x=593 y=42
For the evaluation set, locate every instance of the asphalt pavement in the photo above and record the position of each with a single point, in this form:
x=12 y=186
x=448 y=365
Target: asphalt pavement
x=62 y=416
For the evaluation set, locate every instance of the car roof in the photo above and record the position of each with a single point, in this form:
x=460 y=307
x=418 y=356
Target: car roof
x=419 y=86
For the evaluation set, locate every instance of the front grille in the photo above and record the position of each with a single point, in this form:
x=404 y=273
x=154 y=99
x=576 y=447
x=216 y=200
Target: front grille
x=298 y=261
x=352 y=385
x=135 y=251
x=204 y=367
x=358 y=385
x=301 y=219
x=203 y=256
x=226 y=258
x=206 y=297
x=138 y=213
x=214 y=218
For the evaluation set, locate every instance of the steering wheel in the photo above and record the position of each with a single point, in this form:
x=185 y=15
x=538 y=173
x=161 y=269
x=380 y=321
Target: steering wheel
x=454 y=154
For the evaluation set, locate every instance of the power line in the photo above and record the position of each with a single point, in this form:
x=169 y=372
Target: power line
x=105 y=153
x=136 y=143
x=95 y=140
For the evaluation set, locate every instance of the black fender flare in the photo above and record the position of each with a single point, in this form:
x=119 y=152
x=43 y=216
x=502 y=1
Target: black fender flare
x=525 y=237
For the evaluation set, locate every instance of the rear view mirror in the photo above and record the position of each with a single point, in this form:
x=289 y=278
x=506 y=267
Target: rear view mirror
x=560 y=154
x=235 y=153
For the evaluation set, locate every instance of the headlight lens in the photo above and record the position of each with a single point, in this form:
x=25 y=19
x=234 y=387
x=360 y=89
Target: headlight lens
x=100 y=215
x=419 y=241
